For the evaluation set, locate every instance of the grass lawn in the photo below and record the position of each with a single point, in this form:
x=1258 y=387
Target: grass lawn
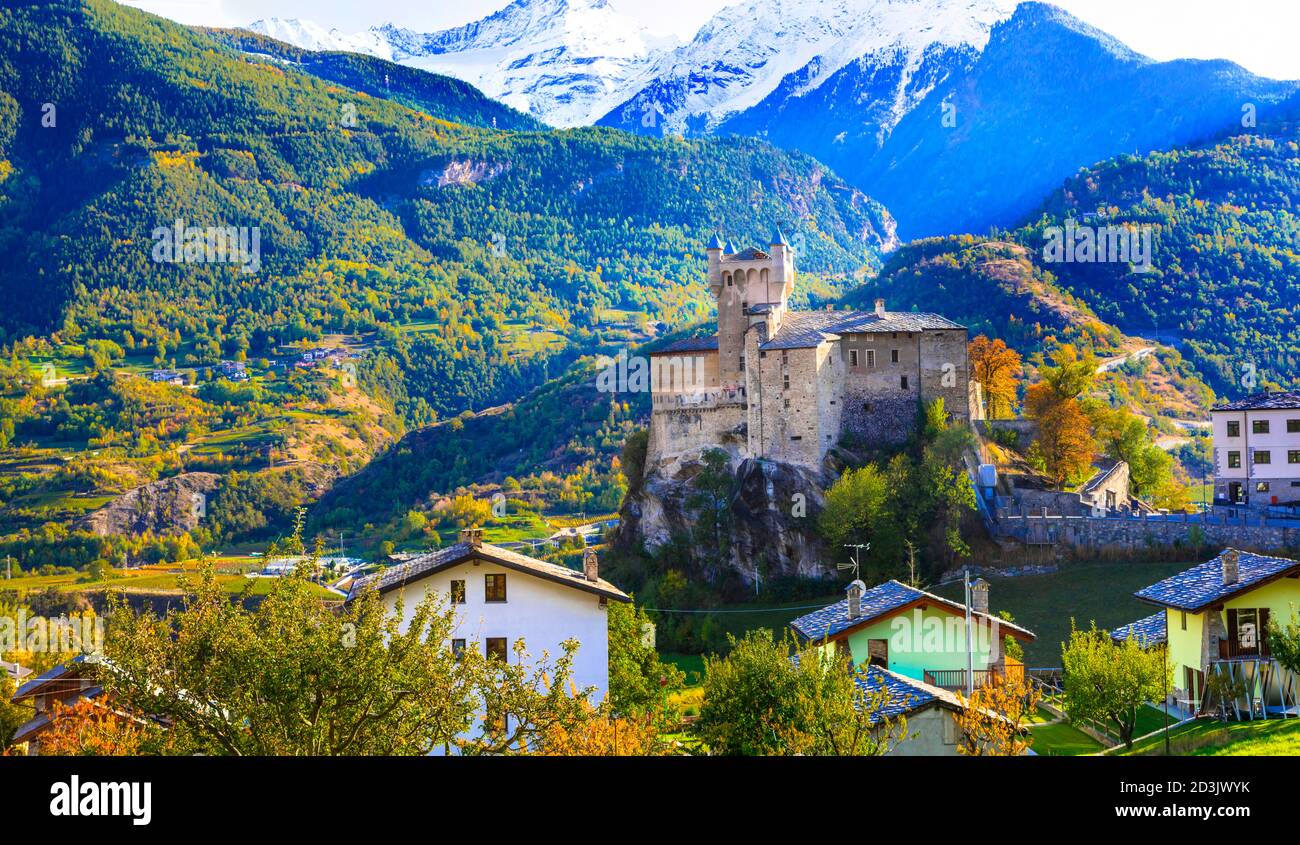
x=1062 y=739
x=1211 y=738
x=1045 y=603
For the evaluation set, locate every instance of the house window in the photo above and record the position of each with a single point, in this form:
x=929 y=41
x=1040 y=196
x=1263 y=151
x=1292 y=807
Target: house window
x=893 y=356
x=1293 y=456
x=494 y=587
x=1234 y=460
x=903 y=382
x=496 y=648
x=871 y=358
x=1263 y=456
x=458 y=647
x=1293 y=426
x=1234 y=428
x=1247 y=633
x=1261 y=486
x=878 y=653
x=853 y=357
x=1259 y=426
x=1184 y=615
x=458 y=593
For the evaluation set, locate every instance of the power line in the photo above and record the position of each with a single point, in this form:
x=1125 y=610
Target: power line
x=755 y=610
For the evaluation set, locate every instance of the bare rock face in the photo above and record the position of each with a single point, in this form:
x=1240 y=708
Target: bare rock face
x=169 y=506
x=772 y=520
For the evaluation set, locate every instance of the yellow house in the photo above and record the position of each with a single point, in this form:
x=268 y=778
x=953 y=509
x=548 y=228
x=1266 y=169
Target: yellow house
x=1215 y=618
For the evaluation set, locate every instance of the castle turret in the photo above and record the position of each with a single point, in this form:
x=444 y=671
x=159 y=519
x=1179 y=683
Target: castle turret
x=713 y=249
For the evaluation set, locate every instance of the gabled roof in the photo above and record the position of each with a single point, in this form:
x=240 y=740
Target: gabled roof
x=690 y=344
x=880 y=602
x=1148 y=631
x=1202 y=586
x=66 y=674
x=1266 y=401
x=802 y=329
x=422 y=566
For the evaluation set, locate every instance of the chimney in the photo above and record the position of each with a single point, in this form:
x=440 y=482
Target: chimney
x=979 y=596
x=1231 y=566
x=591 y=565
x=472 y=537
x=855 y=591
x=880 y=307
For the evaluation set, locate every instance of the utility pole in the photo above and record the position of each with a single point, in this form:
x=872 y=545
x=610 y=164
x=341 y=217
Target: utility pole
x=970 y=648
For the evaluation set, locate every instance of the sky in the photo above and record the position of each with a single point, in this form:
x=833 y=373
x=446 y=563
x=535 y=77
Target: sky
x=1256 y=34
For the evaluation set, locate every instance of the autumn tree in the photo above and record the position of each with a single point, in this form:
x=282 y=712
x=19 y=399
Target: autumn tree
x=1108 y=682
x=1065 y=439
x=93 y=728
x=602 y=733
x=996 y=368
x=991 y=722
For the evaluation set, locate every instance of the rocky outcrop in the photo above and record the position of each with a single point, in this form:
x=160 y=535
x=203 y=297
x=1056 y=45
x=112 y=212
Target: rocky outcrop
x=169 y=506
x=772 y=511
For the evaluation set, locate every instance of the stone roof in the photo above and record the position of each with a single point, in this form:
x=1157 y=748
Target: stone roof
x=803 y=329
x=1201 y=586
x=906 y=695
x=879 y=602
x=690 y=344
x=747 y=254
x=425 y=565
x=1148 y=631
x=1266 y=401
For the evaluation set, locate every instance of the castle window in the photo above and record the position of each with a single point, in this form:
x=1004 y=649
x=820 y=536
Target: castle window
x=853 y=357
x=796 y=437
x=893 y=356
x=871 y=358
x=866 y=406
x=786 y=381
x=904 y=382
x=786 y=402
x=762 y=353
x=742 y=363
x=785 y=356
x=730 y=283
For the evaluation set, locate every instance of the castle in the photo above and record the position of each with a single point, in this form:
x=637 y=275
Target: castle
x=785 y=385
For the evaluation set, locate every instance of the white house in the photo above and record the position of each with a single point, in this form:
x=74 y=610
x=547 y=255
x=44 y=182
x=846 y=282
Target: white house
x=1257 y=450
x=502 y=596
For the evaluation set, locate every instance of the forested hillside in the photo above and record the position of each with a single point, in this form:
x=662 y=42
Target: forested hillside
x=1225 y=222
x=429 y=266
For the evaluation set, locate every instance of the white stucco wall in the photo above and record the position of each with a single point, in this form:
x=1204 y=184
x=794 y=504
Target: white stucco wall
x=542 y=613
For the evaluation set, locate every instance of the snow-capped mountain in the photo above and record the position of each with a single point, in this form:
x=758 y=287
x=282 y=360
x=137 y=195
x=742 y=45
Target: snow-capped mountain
x=783 y=49
x=566 y=62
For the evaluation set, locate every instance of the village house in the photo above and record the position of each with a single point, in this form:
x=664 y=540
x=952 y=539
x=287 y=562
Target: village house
x=787 y=385
x=64 y=685
x=501 y=596
x=916 y=634
x=1257 y=450
x=1214 y=619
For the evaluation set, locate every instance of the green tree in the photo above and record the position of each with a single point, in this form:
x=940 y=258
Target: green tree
x=760 y=701
x=1108 y=682
x=639 y=682
x=711 y=492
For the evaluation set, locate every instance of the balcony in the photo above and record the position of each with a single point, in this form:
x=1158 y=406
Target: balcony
x=954 y=680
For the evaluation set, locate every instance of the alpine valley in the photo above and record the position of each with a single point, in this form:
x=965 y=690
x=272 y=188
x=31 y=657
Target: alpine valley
x=458 y=230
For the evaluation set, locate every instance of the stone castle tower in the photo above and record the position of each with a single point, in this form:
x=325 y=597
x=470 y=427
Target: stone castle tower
x=746 y=283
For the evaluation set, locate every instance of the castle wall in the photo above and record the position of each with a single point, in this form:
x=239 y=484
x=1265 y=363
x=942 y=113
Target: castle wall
x=877 y=408
x=945 y=373
x=677 y=432
x=792 y=420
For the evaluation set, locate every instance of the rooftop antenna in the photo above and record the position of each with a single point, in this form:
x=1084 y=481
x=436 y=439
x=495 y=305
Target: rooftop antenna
x=856 y=566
